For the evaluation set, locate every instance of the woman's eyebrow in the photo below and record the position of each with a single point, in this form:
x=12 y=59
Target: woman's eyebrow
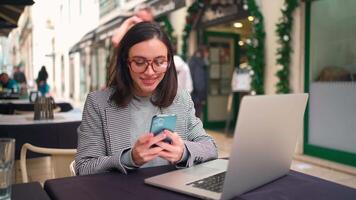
x=142 y=57
x=138 y=57
x=160 y=57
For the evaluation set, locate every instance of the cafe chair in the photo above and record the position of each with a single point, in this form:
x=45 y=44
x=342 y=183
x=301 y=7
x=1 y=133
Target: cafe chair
x=60 y=160
x=72 y=168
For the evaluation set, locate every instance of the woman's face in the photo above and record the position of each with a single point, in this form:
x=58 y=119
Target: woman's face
x=155 y=52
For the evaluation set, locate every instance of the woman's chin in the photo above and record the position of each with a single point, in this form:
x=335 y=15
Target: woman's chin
x=147 y=90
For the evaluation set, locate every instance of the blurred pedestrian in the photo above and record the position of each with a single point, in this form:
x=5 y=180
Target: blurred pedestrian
x=42 y=85
x=198 y=65
x=42 y=74
x=20 y=78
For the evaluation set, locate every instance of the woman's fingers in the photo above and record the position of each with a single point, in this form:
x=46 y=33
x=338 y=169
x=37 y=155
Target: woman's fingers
x=141 y=152
x=157 y=139
x=143 y=139
x=144 y=152
x=176 y=140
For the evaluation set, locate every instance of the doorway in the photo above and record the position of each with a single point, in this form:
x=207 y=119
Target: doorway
x=227 y=50
x=223 y=58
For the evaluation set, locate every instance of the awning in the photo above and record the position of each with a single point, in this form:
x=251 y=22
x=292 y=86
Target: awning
x=99 y=33
x=163 y=7
x=86 y=40
x=107 y=29
x=10 y=12
x=160 y=8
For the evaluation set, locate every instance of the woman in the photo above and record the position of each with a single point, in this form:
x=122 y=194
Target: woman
x=42 y=85
x=114 y=133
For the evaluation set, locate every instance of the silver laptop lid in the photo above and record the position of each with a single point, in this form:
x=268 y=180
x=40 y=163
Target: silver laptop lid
x=264 y=141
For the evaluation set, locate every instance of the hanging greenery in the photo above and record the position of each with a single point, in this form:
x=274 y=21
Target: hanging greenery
x=167 y=26
x=256 y=47
x=283 y=30
x=193 y=10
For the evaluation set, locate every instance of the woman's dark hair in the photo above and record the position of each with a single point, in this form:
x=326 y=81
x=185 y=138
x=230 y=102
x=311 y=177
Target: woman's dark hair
x=123 y=83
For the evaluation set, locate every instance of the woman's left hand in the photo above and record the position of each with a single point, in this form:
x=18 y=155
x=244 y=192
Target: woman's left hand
x=172 y=152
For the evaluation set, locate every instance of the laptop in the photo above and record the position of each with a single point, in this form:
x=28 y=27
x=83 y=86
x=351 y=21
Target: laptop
x=264 y=142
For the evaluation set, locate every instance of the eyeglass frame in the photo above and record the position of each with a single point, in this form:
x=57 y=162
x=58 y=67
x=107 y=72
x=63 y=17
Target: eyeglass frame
x=149 y=62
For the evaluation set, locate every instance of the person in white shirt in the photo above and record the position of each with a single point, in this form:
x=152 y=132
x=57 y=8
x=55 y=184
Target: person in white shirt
x=183 y=73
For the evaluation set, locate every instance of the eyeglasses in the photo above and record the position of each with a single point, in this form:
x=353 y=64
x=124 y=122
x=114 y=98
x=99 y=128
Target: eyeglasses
x=140 y=64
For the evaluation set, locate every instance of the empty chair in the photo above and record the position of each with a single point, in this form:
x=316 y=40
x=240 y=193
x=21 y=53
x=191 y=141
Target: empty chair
x=72 y=168
x=60 y=160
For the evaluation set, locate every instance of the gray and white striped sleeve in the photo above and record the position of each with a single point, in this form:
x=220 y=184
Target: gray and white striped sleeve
x=92 y=149
x=201 y=146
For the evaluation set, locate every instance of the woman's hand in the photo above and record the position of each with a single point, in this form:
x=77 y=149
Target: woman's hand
x=142 y=152
x=172 y=152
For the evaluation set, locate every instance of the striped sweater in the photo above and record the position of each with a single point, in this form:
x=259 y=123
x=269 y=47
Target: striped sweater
x=104 y=134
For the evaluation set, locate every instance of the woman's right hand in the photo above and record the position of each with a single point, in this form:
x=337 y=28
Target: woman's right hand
x=142 y=152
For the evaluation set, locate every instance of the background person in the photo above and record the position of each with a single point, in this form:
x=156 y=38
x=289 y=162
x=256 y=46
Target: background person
x=141 y=13
x=42 y=85
x=20 y=78
x=114 y=133
x=198 y=65
x=183 y=74
x=8 y=83
x=43 y=88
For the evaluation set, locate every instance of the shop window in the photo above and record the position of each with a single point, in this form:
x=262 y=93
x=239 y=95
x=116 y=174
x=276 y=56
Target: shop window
x=332 y=40
x=330 y=80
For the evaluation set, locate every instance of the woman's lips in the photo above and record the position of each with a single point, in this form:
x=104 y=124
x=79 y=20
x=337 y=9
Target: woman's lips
x=148 y=81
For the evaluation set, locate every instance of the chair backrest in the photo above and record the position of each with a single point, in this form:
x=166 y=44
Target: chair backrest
x=72 y=168
x=60 y=160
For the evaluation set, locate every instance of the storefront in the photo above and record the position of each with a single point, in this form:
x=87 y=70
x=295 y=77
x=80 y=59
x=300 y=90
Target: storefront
x=330 y=74
x=223 y=28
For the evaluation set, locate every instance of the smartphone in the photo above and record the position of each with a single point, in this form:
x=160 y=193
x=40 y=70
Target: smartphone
x=163 y=122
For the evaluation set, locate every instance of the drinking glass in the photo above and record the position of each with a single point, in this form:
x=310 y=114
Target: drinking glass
x=7 y=154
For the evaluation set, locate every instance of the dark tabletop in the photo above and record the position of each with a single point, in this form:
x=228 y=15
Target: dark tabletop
x=51 y=135
x=115 y=185
x=28 y=191
x=9 y=108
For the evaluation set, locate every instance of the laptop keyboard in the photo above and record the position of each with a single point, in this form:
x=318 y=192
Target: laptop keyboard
x=213 y=183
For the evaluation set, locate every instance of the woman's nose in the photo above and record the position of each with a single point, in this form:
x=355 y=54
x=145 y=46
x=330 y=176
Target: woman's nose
x=149 y=69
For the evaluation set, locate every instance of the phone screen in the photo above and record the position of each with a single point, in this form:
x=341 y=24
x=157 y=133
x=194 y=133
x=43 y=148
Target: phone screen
x=163 y=122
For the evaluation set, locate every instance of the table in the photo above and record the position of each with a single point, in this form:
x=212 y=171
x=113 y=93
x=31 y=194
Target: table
x=60 y=132
x=6 y=95
x=26 y=191
x=114 y=185
x=9 y=106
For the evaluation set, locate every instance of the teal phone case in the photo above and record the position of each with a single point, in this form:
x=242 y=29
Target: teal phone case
x=163 y=122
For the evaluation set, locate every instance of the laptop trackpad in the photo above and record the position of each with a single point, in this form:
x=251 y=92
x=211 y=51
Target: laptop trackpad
x=205 y=169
